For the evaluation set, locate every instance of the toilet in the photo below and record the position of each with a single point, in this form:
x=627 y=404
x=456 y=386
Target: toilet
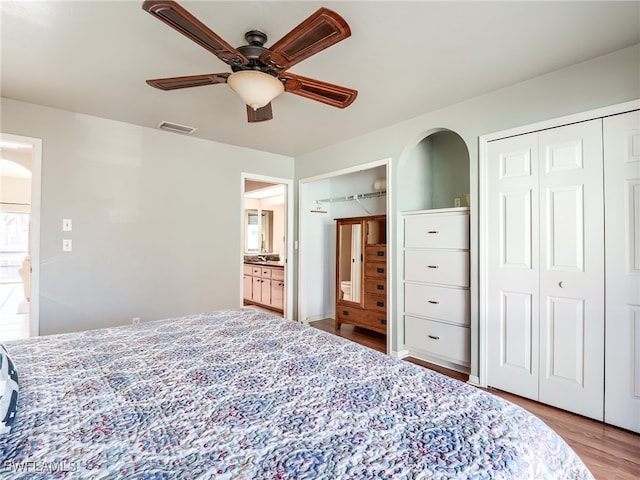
x=346 y=289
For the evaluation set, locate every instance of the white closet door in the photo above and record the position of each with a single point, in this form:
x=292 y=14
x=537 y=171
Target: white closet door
x=622 y=200
x=572 y=268
x=512 y=262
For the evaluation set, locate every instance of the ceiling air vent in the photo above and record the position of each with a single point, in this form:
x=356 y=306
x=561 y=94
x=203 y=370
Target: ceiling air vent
x=176 y=127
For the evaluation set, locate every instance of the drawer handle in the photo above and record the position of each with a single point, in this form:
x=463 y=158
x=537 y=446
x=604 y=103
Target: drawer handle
x=380 y=304
x=345 y=313
x=434 y=302
x=380 y=270
x=432 y=266
x=433 y=337
x=383 y=321
x=380 y=287
x=381 y=253
x=433 y=232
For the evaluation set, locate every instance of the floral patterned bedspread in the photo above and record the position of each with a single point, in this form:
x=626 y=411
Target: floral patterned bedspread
x=240 y=394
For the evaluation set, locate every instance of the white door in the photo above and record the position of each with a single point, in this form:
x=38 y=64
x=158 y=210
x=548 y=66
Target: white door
x=572 y=268
x=512 y=263
x=545 y=278
x=622 y=204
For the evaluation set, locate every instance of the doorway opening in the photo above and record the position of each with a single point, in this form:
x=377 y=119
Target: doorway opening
x=266 y=221
x=19 y=237
x=358 y=191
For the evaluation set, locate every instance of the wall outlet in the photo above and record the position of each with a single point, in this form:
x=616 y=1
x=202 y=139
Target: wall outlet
x=135 y=320
x=67 y=245
x=456 y=202
x=67 y=225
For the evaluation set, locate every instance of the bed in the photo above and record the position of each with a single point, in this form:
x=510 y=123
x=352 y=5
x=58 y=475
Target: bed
x=242 y=394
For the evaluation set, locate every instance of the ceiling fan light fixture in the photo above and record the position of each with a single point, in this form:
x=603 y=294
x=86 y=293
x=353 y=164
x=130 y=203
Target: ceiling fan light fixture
x=256 y=88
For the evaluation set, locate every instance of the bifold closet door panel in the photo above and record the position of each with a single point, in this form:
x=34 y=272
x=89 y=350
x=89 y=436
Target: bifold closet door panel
x=572 y=268
x=512 y=265
x=622 y=240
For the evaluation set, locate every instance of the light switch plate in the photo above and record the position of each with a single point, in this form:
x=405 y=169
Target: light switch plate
x=67 y=245
x=67 y=225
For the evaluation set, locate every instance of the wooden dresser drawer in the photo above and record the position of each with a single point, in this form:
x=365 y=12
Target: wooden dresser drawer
x=375 y=302
x=247 y=269
x=375 y=253
x=256 y=271
x=448 y=341
x=450 y=304
x=437 y=266
x=375 y=286
x=368 y=319
x=375 y=270
x=437 y=231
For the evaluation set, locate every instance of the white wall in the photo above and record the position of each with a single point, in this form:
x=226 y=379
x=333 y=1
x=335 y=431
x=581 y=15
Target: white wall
x=149 y=236
x=603 y=81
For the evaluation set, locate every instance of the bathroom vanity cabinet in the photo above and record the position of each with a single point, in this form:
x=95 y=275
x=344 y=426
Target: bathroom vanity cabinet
x=264 y=286
x=361 y=272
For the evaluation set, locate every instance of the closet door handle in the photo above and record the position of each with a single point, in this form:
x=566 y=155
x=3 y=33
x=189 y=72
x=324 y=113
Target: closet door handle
x=432 y=266
x=433 y=337
x=433 y=232
x=434 y=302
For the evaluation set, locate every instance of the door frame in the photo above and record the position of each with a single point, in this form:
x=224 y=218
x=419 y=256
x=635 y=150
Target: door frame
x=288 y=229
x=34 y=234
x=483 y=142
x=303 y=184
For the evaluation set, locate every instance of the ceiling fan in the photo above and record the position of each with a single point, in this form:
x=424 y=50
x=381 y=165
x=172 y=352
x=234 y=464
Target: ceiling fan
x=260 y=74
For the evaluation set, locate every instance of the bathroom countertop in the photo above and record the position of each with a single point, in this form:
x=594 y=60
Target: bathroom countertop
x=271 y=263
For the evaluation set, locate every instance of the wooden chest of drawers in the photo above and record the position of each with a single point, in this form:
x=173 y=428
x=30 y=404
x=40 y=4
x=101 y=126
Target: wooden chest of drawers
x=361 y=280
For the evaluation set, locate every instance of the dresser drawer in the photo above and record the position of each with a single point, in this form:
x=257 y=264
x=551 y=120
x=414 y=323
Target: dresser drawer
x=437 y=266
x=375 y=270
x=375 y=302
x=368 y=319
x=448 y=341
x=375 y=286
x=437 y=231
x=450 y=304
x=375 y=253
x=247 y=269
x=266 y=272
x=256 y=271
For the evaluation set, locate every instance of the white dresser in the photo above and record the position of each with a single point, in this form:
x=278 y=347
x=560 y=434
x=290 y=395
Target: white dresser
x=436 y=286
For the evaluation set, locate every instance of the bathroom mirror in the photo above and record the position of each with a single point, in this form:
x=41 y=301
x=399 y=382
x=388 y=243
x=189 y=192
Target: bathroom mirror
x=258 y=233
x=349 y=261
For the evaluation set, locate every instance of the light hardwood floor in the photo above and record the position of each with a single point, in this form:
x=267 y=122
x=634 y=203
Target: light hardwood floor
x=609 y=452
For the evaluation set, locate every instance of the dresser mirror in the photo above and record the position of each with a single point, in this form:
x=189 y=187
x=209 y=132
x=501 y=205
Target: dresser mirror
x=349 y=261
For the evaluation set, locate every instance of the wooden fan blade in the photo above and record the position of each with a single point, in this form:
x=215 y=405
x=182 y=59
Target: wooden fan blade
x=324 y=92
x=180 y=19
x=259 y=115
x=174 y=83
x=319 y=31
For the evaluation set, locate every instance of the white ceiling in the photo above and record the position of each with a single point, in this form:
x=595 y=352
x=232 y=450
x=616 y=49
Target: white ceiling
x=404 y=58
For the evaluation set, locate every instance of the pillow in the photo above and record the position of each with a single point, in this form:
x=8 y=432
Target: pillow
x=8 y=391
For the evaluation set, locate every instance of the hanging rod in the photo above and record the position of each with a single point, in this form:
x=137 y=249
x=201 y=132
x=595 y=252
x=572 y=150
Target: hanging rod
x=357 y=196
